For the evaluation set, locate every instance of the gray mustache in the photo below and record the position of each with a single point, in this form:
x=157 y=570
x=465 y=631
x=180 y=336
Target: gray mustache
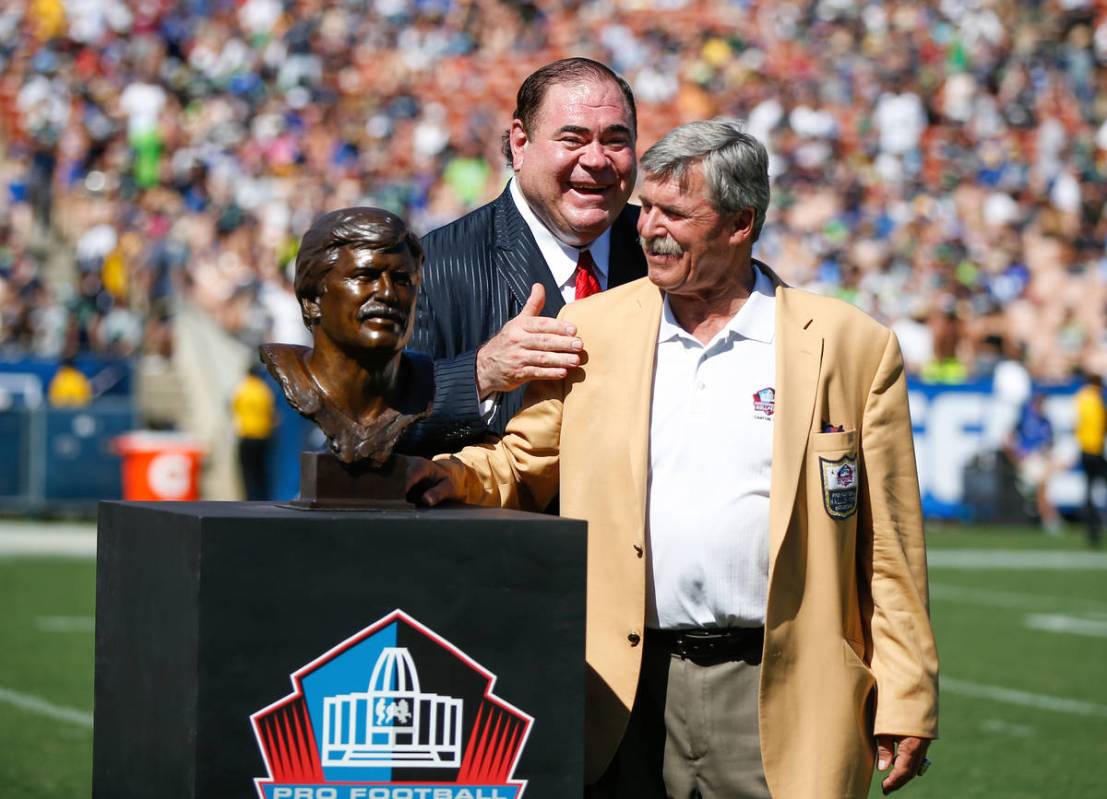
x=661 y=246
x=378 y=311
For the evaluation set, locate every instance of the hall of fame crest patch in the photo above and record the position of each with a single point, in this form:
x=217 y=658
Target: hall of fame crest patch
x=840 y=480
x=764 y=403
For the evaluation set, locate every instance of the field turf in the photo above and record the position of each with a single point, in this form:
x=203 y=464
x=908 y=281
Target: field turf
x=1021 y=620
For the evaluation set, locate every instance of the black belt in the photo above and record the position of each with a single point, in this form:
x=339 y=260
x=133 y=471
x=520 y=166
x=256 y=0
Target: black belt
x=710 y=643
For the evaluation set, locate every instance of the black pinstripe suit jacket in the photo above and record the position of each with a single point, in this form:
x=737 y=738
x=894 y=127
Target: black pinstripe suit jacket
x=477 y=276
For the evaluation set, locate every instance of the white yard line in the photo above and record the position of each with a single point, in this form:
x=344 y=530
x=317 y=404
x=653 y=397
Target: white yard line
x=1060 y=623
x=1016 y=560
x=15 y=543
x=33 y=704
x=1007 y=728
x=1010 y=696
x=944 y=592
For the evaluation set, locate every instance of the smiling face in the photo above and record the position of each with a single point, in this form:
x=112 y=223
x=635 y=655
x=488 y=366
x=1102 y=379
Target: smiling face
x=577 y=166
x=367 y=299
x=691 y=248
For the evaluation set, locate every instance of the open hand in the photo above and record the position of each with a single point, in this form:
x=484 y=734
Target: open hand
x=529 y=347
x=905 y=756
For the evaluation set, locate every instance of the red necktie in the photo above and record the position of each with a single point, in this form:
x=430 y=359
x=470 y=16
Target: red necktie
x=587 y=282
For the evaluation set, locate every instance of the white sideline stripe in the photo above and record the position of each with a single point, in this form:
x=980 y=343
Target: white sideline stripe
x=1007 y=728
x=1010 y=696
x=1058 y=623
x=75 y=544
x=1016 y=560
x=33 y=704
x=1017 y=601
x=65 y=624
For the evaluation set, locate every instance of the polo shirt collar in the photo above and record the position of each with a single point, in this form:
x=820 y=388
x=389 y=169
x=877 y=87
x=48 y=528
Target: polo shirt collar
x=755 y=320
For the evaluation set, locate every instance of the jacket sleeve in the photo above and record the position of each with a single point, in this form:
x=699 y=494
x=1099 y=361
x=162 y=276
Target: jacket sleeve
x=520 y=470
x=455 y=416
x=893 y=559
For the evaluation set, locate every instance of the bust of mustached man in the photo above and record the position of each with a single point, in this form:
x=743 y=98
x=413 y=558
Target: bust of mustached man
x=357 y=276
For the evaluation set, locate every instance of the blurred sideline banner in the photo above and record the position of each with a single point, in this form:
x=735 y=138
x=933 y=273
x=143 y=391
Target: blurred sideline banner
x=954 y=424
x=111 y=377
x=54 y=459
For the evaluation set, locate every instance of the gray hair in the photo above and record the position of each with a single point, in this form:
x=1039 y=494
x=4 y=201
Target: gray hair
x=735 y=165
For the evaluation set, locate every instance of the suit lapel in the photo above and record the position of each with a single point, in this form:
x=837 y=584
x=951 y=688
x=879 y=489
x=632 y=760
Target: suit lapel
x=799 y=353
x=639 y=324
x=518 y=258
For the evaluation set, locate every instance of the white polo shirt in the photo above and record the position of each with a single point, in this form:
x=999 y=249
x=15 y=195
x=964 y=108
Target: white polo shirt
x=711 y=439
x=560 y=257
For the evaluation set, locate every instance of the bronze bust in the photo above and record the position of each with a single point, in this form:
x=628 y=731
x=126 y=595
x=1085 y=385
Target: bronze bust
x=357 y=277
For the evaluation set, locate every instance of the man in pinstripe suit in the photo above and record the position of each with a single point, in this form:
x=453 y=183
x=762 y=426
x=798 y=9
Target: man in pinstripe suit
x=495 y=279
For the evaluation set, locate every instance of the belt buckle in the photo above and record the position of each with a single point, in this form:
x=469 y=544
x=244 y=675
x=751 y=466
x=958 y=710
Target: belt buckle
x=695 y=644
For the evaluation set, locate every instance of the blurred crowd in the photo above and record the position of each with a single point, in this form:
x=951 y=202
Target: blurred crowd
x=943 y=165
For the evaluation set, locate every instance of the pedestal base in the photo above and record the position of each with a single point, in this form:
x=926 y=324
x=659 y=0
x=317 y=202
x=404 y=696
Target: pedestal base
x=327 y=482
x=205 y=611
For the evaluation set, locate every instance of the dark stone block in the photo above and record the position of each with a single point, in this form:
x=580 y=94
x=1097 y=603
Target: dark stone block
x=205 y=609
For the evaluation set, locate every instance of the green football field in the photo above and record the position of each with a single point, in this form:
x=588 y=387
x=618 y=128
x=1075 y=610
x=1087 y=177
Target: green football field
x=1021 y=620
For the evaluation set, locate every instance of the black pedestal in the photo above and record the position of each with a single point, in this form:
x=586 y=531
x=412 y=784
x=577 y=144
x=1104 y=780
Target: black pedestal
x=437 y=654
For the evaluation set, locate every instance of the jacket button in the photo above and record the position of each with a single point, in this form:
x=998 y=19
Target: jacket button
x=634 y=639
x=638 y=550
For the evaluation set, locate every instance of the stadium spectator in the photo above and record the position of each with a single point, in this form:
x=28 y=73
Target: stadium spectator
x=940 y=164
x=1030 y=448
x=69 y=388
x=1091 y=421
x=255 y=416
x=1011 y=387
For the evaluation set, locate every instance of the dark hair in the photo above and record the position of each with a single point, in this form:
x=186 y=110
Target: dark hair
x=566 y=71
x=372 y=228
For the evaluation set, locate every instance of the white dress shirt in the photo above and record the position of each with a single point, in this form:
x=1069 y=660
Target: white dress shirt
x=711 y=438
x=560 y=257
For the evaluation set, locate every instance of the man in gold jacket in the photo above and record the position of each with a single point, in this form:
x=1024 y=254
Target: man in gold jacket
x=741 y=450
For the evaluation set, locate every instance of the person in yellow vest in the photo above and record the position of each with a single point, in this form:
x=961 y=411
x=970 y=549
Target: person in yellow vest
x=254 y=419
x=1091 y=426
x=69 y=388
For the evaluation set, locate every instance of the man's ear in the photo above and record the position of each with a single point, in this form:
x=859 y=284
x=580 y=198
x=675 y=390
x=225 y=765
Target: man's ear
x=742 y=229
x=518 y=138
x=309 y=309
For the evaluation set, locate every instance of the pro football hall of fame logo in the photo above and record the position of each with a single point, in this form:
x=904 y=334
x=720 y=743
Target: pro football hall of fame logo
x=393 y=712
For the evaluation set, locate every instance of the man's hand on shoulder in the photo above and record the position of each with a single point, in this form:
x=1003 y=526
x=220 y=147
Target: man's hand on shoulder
x=904 y=754
x=529 y=347
x=427 y=483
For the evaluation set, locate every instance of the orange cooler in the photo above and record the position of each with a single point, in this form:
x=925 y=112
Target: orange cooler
x=159 y=466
